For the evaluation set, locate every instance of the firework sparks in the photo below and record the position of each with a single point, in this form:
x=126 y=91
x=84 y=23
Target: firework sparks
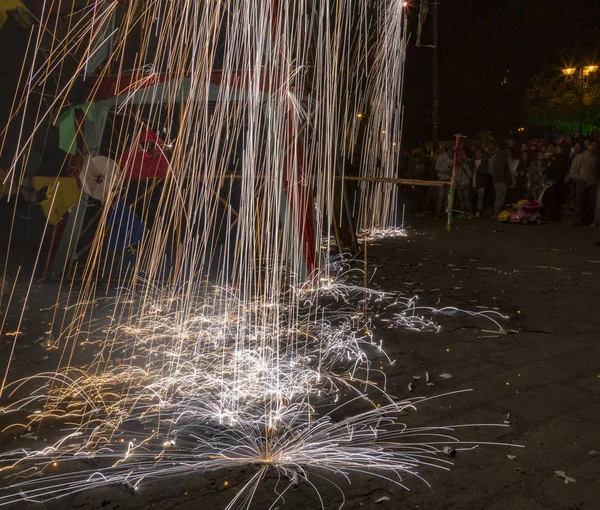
x=230 y=329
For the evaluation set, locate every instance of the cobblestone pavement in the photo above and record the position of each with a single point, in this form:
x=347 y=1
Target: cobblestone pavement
x=546 y=374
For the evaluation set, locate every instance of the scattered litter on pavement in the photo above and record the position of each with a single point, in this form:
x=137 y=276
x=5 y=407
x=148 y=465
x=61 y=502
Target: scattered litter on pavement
x=563 y=475
x=428 y=379
x=30 y=435
x=131 y=487
x=507 y=419
x=511 y=457
x=26 y=498
x=382 y=499
x=445 y=376
x=410 y=386
x=449 y=452
x=416 y=377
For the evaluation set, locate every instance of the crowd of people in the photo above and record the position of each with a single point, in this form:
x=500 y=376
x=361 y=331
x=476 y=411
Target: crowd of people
x=564 y=175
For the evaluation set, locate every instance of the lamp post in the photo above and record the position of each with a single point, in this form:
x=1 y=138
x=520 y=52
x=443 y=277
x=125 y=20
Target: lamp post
x=436 y=69
x=580 y=75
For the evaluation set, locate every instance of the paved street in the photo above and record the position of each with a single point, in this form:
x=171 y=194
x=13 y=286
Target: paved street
x=546 y=374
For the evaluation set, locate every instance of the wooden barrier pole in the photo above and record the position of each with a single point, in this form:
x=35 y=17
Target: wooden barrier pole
x=393 y=180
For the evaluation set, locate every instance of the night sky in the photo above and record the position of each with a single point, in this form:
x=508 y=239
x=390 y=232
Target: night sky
x=484 y=43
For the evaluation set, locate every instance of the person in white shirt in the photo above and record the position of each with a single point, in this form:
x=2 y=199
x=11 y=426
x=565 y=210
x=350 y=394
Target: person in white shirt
x=443 y=169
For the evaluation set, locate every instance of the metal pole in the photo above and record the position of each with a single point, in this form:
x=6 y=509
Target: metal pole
x=436 y=59
x=452 y=189
x=580 y=91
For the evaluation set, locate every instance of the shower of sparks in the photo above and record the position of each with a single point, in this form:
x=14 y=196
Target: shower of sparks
x=222 y=340
x=379 y=234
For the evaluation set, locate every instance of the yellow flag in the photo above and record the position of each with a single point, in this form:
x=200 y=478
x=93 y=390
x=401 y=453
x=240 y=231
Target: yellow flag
x=9 y=5
x=61 y=194
x=21 y=12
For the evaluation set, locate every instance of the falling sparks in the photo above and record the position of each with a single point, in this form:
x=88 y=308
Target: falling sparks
x=227 y=333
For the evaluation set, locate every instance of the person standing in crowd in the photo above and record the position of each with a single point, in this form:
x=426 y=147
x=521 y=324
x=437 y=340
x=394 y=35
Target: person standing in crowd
x=596 y=222
x=521 y=176
x=416 y=170
x=443 y=169
x=502 y=178
x=554 y=176
x=481 y=179
x=464 y=182
x=583 y=172
x=492 y=149
x=574 y=151
x=534 y=179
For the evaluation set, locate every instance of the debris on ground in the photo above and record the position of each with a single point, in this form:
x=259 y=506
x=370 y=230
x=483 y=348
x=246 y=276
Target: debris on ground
x=449 y=452
x=563 y=475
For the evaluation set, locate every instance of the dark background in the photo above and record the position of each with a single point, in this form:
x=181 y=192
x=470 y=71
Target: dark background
x=489 y=50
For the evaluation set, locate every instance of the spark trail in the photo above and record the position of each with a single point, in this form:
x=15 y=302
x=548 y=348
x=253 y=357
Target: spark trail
x=222 y=340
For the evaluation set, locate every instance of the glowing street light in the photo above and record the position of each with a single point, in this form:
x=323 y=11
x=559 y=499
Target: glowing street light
x=583 y=71
x=581 y=75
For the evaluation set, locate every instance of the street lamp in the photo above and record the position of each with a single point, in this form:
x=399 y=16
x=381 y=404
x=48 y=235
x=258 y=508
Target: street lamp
x=580 y=75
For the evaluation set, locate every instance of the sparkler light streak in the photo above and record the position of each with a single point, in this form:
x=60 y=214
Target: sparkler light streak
x=230 y=329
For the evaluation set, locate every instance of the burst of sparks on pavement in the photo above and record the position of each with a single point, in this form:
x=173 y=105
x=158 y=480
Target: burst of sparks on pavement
x=231 y=329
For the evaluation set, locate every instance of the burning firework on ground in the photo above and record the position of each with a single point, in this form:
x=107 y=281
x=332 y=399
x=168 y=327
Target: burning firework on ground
x=222 y=333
